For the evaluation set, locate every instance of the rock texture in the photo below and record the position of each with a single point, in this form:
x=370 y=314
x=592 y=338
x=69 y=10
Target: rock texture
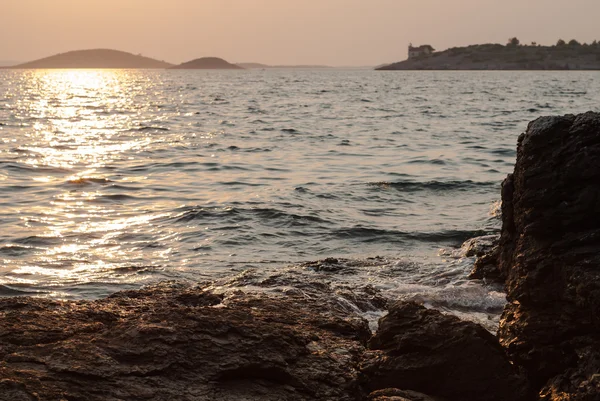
x=179 y=343
x=550 y=257
x=486 y=250
x=426 y=351
x=393 y=394
x=176 y=342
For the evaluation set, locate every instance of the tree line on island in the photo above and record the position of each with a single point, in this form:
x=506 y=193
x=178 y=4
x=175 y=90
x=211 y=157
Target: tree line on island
x=560 y=43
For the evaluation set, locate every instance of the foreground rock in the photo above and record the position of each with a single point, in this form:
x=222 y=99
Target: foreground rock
x=550 y=257
x=172 y=343
x=440 y=355
x=175 y=342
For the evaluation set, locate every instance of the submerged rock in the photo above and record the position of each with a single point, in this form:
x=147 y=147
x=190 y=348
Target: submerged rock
x=423 y=350
x=550 y=257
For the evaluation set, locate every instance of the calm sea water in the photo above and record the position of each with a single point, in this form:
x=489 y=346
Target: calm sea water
x=114 y=179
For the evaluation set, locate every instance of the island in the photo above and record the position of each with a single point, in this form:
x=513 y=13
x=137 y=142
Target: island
x=207 y=63
x=95 y=58
x=513 y=56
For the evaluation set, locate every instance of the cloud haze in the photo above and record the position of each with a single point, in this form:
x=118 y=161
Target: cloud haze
x=334 y=32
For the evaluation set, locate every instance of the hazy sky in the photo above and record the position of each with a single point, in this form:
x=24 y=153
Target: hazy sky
x=334 y=32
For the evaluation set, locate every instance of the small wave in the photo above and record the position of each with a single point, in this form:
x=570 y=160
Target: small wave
x=376 y=235
x=204 y=213
x=15 y=250
x=89 y=181
x=241 y=183
x=7 y=291
x=29 y=168
x=268 y=216
x=291 y=219
x=150 y=128
x=504 y=152
x=415 y=186
x=35 y=240
x=114 y=198
x=428 y=161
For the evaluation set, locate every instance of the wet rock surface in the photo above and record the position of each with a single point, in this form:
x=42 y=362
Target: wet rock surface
x=550 y=257
x=486 y=250
x=421 y=349
x=393 y=394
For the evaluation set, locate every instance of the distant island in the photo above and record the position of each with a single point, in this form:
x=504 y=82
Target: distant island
x=97 y=58
x=207 y=63
x=258 y=66
x=513 y=56
x=115 y=59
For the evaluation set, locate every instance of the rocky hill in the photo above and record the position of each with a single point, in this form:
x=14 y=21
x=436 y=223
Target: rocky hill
x=207 y=63
x=572 y=56
x=97 y=58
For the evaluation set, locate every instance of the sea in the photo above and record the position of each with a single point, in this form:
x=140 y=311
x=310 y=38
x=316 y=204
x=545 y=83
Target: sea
x=115 y=179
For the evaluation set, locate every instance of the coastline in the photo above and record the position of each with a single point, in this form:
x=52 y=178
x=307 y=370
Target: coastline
x=505 y=58
x=173 y=341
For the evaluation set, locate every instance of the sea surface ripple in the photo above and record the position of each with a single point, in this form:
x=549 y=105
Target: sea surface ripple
x=113 y=179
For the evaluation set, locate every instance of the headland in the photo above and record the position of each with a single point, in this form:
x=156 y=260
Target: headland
x=513 y=56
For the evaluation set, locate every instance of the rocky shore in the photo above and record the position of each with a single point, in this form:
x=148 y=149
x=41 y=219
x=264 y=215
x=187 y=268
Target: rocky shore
x=180 y=342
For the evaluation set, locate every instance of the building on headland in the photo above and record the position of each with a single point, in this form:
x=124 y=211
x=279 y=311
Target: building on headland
x=414 y=52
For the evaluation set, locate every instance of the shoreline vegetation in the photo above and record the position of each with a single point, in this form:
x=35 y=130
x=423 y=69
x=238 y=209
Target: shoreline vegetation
x=512 y=56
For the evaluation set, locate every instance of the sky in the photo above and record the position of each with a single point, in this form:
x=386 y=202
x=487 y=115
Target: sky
x=329 y=32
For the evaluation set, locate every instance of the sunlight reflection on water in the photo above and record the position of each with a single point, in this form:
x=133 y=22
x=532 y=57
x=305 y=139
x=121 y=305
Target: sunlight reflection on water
x=114 y=178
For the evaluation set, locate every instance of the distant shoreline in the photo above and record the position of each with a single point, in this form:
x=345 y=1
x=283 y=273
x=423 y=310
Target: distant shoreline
x=496 y=57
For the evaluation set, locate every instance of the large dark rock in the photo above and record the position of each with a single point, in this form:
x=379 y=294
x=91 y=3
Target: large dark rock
x=550 y=257
x=423 y=350
x=179 y=343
